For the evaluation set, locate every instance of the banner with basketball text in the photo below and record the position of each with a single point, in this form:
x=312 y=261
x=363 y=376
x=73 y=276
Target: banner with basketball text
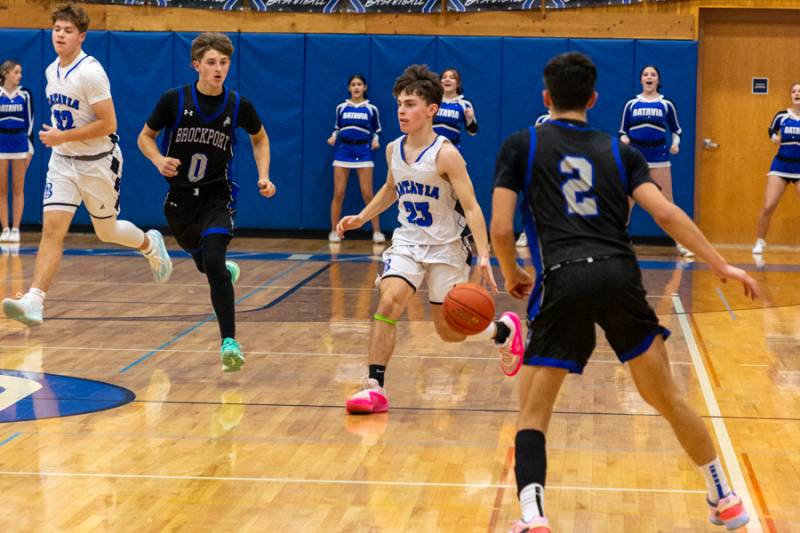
x=224 y=5
x=522 y=5
x=566 y=4
x=121 y=2
x=297 y=6
x=393 y=6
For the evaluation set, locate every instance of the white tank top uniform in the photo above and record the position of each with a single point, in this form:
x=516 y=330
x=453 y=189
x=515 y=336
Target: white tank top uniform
x=87 y=170
x=429 y=241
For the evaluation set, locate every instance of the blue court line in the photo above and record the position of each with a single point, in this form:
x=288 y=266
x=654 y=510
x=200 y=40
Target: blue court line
x=190 y=329
x=9 y=439
x=725 y=303
x=291 y=291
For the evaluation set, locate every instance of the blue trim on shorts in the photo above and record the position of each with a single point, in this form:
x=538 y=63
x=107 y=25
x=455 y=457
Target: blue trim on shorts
x=216 y=231
x=644 y=345
x=538 y=360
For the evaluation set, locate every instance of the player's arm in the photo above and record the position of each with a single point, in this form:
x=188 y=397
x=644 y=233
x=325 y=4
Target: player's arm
x=260 y=143
x=508 y=178
x=680 y=227
x=450 y=163
x=383 y=200
x=162 y=116
x=106 y=124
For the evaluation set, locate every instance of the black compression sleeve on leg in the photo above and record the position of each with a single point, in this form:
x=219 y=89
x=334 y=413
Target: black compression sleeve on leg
x=219 y=279
x=198 y=261
x=531 y=458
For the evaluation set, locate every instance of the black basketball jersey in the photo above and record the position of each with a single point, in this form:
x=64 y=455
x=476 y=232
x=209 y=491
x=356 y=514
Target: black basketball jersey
x=203 y=143
x=576 y=182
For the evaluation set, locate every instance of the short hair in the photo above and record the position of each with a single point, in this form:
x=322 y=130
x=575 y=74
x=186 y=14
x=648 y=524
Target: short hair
x=211 y=41
x=7 y=65
x=420 y=81
x=457 y=74
x=71 y=13
x=570 y=79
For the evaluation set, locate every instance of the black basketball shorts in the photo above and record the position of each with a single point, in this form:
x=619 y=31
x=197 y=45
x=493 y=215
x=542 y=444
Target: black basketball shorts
x=193 y=213
x=607 y=292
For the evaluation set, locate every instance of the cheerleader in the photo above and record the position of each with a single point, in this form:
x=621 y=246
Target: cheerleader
x=785 y=170
x=650 y=124
x=16 y=128
x=455 y=112
x=355 y=136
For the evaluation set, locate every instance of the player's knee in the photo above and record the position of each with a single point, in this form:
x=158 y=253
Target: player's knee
x=390 y=305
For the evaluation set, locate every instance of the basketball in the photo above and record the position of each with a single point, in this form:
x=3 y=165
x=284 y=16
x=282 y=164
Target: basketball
x=468 y=308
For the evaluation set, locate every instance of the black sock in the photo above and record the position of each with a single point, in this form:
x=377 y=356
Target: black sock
x=531 y=457
x=219 y=280
x=377 y=372
x=502 y=333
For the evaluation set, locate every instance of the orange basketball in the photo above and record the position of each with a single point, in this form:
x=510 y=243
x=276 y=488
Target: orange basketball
x=468 y=308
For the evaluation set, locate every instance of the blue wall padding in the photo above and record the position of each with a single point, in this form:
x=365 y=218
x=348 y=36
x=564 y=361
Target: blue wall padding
x=389 y=56
x=276 y=90
x=296 y=81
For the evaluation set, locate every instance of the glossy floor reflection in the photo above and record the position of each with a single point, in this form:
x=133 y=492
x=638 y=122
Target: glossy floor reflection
x=271 y=448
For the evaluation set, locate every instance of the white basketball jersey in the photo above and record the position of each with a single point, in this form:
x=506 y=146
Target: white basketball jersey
x=71 y=91
x=427 y=205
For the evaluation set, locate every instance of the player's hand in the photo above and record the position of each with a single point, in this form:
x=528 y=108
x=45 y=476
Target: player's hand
x=347 y=223
x=332 y=140
x=51 y=136
x=375 y=144
x=674 y=149
x=266 y=188
x=469 y=115
x=776 y=138
x=625 y=139
x=487 y=276
x=167 y=166
x=519 y=284
x=751 y=288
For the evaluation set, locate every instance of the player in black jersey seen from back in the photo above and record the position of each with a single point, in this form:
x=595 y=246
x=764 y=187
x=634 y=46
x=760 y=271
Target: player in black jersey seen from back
x=575 y=183
x=200 y=122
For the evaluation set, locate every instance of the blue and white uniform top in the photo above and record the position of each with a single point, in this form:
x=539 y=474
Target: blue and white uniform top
x=786 y=163
x=541 y=119
x=652 y=127
x=357 y=123
x=71 y=91
x=451 y=118
x=427 y=204
x=16 y=123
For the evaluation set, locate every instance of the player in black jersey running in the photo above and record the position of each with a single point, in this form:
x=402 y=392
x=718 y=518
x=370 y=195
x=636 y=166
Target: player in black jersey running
x=575 y=182
x=200 y=122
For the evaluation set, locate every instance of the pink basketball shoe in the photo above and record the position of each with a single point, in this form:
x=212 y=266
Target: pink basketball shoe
x=728 y=512
x=371 y=399
x=537 y=525
x=513 y=350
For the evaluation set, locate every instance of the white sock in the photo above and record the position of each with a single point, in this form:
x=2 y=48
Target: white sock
x=531 y=501
x=716 y=482
x=485 y=335
x=36 y=295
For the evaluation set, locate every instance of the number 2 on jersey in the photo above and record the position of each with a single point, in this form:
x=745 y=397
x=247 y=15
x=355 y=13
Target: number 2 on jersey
x=577 y=189
x=64 y=119
x=419 y=213
x=197 y=167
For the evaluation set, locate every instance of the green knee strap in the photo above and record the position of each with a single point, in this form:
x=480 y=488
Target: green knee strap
x=378 y=316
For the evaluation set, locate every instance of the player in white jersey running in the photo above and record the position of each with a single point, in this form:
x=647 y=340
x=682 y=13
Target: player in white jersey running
x=428 y=178
x=86 y=165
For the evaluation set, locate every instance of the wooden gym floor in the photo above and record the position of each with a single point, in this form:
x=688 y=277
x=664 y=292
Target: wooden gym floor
x=271 y=449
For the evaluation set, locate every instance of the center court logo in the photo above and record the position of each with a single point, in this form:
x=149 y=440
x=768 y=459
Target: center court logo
x=34 y=396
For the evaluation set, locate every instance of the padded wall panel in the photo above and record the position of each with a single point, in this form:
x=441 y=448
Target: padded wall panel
x=25 y=47
x=389 y=58
x=330 y=61
x=677 y=62
x=478 y=60
x=137 y=61
x=275 y=87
